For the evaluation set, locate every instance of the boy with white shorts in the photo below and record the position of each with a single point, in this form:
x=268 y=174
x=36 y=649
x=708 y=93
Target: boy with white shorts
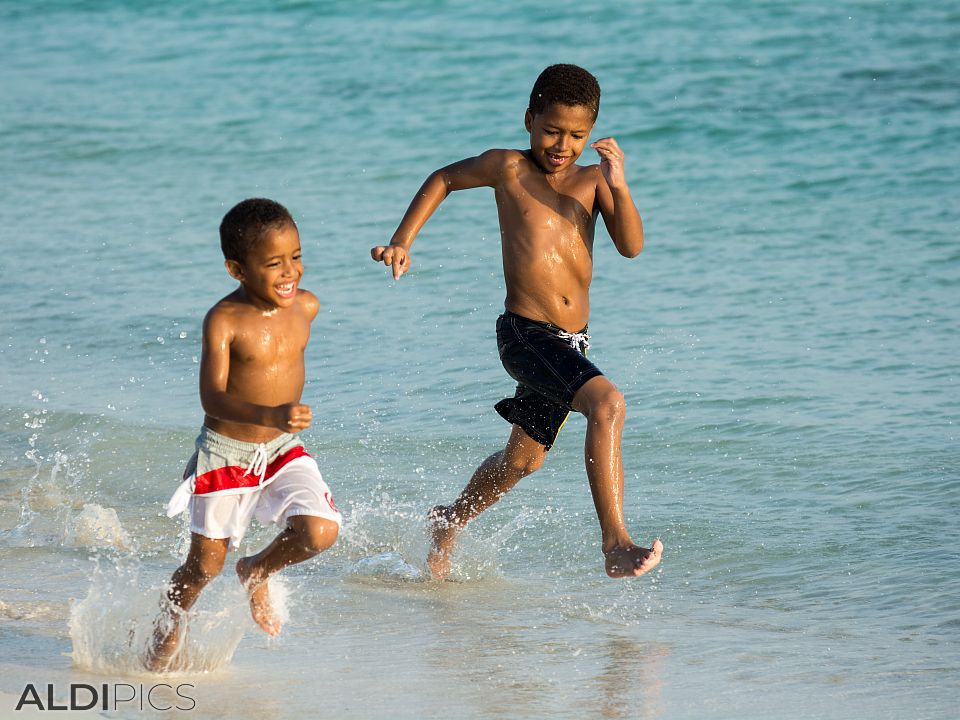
x=248 y=461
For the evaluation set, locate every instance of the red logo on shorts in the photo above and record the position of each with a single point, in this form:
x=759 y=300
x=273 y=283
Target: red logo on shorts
x=329 y=498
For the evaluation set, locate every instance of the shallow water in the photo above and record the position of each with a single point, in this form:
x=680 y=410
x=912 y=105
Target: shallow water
x=787 y=344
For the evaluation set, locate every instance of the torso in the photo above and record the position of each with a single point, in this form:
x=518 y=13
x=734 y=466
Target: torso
x=266 y=361
x=546 y=229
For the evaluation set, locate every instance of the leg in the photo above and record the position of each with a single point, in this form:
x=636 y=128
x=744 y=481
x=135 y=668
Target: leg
x=603 y=404
x=304 y=537
x=204 y=562
x=490 y=482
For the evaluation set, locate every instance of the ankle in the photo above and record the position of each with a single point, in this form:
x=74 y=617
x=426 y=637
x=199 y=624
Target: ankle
x=616 y=542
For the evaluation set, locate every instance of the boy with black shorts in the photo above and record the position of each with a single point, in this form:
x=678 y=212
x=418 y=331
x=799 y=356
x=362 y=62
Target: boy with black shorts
x=548 y=206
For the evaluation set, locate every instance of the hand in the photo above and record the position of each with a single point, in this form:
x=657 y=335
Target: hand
x=292 y=417
x=611 y=161
x=392 y=256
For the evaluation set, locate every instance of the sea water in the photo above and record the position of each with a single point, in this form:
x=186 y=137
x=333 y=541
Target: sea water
x=787 y=344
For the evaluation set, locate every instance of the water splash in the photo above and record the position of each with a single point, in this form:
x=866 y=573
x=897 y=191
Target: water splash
x=113 y=626
x=389 y=566
x=389 y=540
x=97 y=527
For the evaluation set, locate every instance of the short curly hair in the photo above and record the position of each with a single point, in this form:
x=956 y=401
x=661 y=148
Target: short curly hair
x=246 y=224
x=565 y=84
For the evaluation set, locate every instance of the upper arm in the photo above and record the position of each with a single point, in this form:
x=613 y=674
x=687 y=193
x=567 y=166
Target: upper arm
x=484 y=170
x=604 y=200
x=215 y=351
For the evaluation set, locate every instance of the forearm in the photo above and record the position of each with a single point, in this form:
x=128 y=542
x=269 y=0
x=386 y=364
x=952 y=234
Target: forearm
x=433 y=191
x=627 y=226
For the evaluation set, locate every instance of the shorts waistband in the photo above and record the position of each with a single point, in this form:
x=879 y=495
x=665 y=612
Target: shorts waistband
x=212 y=437
x=555 y=329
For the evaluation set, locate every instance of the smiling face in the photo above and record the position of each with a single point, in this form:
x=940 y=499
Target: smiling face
x=558 y=135
x=271 y=272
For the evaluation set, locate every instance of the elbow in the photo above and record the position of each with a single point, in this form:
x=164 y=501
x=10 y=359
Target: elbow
x=632 y=250
x=439 y=181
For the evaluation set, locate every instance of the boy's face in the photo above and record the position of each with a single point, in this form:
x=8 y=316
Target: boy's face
x=272 y=270
x=558 y=135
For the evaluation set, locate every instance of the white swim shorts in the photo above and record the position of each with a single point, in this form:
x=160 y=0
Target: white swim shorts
x=229 y=482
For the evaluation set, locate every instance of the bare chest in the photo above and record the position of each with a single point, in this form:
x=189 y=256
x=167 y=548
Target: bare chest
x=536 y=201
x=270 y=344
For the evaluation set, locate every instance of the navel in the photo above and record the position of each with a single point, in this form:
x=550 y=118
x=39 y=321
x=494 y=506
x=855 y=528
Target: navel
x=566 y=300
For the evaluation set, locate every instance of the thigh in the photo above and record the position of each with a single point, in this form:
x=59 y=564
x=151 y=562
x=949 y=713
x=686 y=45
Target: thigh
x=297 y=489
x=220 y=516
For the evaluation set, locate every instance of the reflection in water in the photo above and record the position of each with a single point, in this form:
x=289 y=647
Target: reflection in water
x=519 y=659
x=631 y=682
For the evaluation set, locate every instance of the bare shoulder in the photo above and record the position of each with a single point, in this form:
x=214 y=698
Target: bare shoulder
x=511 y=158
x=223 y=318
x=590 y=177
x=591 y=173
x=497 y=160
x=309 y=302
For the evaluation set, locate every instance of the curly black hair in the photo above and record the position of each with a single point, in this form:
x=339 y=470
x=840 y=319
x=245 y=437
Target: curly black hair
x=247 y=222
x=565 y=84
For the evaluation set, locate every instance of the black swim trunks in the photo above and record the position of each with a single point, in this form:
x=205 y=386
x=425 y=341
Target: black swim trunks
x=549 y=365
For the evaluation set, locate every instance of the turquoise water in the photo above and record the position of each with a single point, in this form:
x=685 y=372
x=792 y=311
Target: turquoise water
x=787 y=344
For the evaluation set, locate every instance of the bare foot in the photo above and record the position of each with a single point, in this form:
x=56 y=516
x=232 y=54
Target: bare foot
x=259 y=593
x=443 y=533
x=166 y=638
x=632 y=561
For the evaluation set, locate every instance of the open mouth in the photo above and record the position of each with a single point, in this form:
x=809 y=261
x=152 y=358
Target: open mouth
x=286 y=290
x=556 y=160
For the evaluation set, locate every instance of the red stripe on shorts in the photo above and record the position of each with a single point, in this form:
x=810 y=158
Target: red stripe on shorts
x=233 y=477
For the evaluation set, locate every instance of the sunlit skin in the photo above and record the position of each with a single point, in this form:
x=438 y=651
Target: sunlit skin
x=251 y=380
x=547 y=206
x=252 y=370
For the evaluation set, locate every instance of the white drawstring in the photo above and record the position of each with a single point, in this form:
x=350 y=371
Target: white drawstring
x=575 y=339
x=258 y=463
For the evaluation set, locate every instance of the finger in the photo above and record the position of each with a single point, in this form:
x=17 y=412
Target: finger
x=609 y=151
x=605 y=141
x=398 y=263
x=377 y=252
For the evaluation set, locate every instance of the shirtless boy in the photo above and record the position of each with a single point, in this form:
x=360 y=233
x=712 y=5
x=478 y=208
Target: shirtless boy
x=548 y=206
x=248 y=461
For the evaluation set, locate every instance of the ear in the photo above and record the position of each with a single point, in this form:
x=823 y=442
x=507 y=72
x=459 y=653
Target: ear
x=235 y=269
x=528 y=120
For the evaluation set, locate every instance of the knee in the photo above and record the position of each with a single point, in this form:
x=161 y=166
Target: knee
x=525 y=464
x=315 y=534
x=609 y=408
